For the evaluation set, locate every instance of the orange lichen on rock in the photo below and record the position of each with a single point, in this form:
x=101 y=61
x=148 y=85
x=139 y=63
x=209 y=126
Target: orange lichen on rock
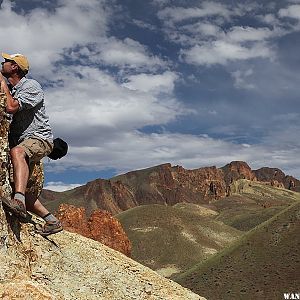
x=23 y=289
x=101 y=226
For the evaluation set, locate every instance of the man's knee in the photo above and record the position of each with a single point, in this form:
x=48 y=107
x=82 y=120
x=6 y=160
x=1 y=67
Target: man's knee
x=17 y=153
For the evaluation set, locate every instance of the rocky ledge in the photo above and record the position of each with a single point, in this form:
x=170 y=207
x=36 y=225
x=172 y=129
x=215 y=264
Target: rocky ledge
x=69 y=266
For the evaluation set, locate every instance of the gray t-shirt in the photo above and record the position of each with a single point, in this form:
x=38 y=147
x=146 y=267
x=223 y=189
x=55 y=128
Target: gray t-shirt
x=31 y=119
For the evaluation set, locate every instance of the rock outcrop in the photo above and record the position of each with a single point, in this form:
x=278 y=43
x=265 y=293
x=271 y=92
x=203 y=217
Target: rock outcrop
x=277 y=178
x=237 y=170
x=101 y=226
x=167 y=185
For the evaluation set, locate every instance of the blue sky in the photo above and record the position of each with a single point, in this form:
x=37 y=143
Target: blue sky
x=132 y=84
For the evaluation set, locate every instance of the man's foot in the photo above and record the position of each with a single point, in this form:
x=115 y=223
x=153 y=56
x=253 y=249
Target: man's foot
x=15 y=206
x=49 y=228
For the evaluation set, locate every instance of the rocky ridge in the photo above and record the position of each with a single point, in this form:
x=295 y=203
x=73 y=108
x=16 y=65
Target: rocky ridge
x=167 y=185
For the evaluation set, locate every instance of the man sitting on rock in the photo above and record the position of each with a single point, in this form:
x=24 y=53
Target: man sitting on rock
x=30 y=136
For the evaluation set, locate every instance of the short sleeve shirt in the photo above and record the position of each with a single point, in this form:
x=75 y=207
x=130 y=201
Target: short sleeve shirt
x=31 y=119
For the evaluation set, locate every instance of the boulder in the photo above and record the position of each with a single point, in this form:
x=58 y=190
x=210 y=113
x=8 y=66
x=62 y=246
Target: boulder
x=101 y=226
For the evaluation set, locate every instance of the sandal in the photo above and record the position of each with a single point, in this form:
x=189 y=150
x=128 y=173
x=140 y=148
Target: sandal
x=49 y=228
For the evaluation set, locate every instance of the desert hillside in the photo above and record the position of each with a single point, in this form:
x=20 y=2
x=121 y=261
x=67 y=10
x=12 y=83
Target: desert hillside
x=170 y=239
x=251 y=203
x=263 y=264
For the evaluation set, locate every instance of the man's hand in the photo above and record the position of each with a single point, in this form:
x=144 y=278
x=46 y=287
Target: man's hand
x=2 y=82
x=12 y=105
x=1 y=77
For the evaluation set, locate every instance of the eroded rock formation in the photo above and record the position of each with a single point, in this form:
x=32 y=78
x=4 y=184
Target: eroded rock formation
x=101 y=226
x=277 y=178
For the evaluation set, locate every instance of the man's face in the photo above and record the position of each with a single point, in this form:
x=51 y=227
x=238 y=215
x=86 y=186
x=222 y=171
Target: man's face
x=8 y=67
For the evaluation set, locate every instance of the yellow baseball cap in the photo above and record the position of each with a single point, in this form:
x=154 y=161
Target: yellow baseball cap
x=19 y=59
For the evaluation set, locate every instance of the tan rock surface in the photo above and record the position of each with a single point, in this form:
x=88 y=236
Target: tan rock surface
x=23 y=289
x=70 y=266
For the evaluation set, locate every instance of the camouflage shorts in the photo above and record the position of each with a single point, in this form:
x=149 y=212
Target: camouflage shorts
x=36 y=148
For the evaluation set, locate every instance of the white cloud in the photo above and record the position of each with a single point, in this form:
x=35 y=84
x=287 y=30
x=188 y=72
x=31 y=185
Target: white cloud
x=143 y=24
x=292 y=11
x=268 y=19
x=220 y=52
x=248 y=34
x=241 y=79
x=172 y=15
x=205 y=29
x=94 y=100
x=59 y=186
x=43 y=35
x=133 y=150
x=128 y=53
x=207 y=34
x=76 y=30
x=156 y=83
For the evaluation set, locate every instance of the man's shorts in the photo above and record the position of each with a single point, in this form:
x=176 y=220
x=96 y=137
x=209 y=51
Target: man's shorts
x=36 y=148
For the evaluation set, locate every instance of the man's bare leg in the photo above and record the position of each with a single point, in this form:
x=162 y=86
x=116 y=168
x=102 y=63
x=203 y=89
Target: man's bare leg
x=52 y=225
x=16 y=204
x=35 y=206
x=21 y=169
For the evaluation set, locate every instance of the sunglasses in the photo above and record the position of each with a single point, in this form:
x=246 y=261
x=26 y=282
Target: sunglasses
x=7 y=60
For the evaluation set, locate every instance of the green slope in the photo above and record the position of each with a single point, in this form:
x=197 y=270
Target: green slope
x=263 y=264
x=252 y=203
x=172 y=239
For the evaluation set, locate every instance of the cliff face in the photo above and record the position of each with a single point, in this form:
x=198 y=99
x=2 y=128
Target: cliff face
x=169 y=185
x=277 y=178
x=115 y=196
x=101 y=226
x=162 y=184
x=201 y=185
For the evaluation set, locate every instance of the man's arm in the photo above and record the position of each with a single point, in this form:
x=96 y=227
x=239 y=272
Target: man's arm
x=12 y=105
